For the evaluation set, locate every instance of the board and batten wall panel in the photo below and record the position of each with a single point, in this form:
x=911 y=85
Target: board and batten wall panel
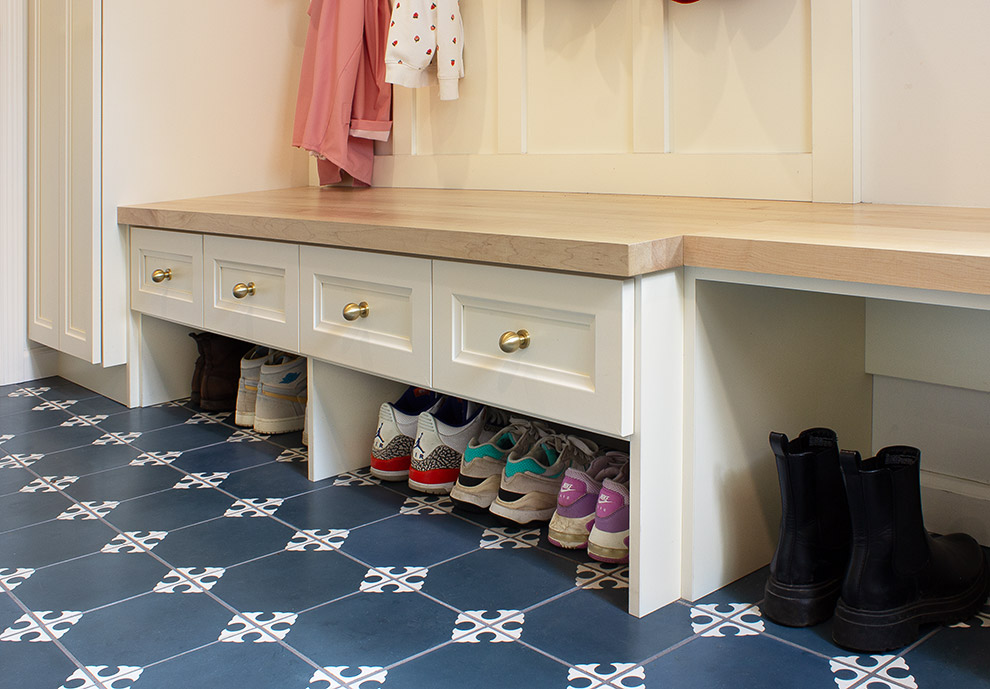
x=925 y=102
x=716 y=98
x=741 y=77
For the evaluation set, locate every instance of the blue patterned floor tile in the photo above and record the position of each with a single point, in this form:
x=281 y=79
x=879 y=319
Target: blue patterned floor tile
x=169 y=510
x=223 y=542
x=817 y=638
x=61 y=389
x=146 y=419
x=124 y=483
x=339 y=507
x=52 y=439
x=225 y=456
x=480 y=665
x=293 y=439
x=28 y=421
x=97 y=406
x=242 y=665
x=92 y=581
x=184 y=437
x=84 y=460
x=277 y=480
x=504 y=578
x=290 y=581
x=749 y=588
x=738 y=663
x=23 y=509
x=953 y=657
x=18 y=403
x=33 y=665
x=584 y=626
x=13 y=479
x=372 y=629
x=54 y=541
x=413 y=540
x=146 y=629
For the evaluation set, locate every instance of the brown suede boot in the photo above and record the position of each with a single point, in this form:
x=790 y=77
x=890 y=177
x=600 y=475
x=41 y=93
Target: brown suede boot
x=221 y=369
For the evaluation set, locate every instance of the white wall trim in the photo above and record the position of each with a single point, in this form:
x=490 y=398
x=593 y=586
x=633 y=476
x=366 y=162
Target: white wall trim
x=20 y=360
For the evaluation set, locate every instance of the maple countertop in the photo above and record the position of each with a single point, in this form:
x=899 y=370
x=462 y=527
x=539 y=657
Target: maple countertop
x=609 y=235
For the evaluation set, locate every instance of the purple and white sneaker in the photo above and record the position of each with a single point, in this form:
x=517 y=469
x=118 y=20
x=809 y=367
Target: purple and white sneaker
x=574 y=517
x=609 y=539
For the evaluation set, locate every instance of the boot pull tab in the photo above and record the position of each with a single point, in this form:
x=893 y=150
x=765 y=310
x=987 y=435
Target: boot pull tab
x=778 y=443
x=849 y=461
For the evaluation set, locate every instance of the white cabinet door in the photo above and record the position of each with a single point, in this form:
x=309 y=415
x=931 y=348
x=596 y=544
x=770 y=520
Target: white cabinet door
x=574 y=337
x=390 y=336
x=64 y=123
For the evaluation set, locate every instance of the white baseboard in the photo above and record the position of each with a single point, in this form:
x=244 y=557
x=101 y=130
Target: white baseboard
x=110 y=382
x=953 y=505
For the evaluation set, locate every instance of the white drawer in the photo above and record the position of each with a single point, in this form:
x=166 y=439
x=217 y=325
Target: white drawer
x=392 y=336
x=167 y=275
x=578 y=366
x=266 y=274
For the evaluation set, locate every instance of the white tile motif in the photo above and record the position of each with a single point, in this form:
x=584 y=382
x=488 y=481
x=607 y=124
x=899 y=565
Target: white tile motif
x=49 y=406
x=19 y=461
x=88 y=510
x=254 y=507
x=48 y=484
x=102 y=676
x=601 y=575
x=43 y=625
x=361 y=477
x=500 y=537
x=246 y=437
x=206 y=417
x=27 y=392
x=427 y=504
x=475 y=626
x=134 y=542
x=206 y=480
x=190 y=580
x=117 y=438
x=317 y=539
x=11 y=578
x=85 y=420
x=872 y=671
x=258 y=627
x=344 y=677
x=5 y=437
x=394 y=579
x=155 y=458
x=742 y=619
x=610 y=675
x=173 y=403
x=293 y=454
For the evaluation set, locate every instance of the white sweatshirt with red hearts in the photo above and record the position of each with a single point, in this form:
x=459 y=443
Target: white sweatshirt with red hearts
x=420 y=31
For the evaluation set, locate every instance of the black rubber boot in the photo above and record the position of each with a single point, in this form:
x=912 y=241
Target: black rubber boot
x=813 y=550
x=220 y=371
x=899 y=575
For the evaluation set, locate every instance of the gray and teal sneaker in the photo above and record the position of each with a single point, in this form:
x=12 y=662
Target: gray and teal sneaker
x=482 y=464
x=531 y=480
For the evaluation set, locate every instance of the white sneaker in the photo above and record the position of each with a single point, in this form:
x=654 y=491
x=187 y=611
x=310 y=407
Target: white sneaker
x=440 y=442
x=391 y=450
x=247 y=384
x=281 y=405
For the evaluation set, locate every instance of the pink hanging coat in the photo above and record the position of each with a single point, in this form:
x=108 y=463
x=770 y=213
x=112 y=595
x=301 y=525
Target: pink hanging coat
x=344 y=103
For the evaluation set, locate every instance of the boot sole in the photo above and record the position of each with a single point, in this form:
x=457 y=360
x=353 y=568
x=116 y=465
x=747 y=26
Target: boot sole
x=800 y=605
x=873 y=631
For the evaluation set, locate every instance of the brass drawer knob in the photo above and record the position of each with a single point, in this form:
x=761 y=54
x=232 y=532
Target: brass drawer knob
x=511 y=341
x=161 y=275
x=241 y=290
x=353 y=311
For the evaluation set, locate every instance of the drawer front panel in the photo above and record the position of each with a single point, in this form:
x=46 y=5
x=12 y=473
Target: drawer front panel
x=393 y=338
x=177 y=295
x=577 y=367
x=269 y=272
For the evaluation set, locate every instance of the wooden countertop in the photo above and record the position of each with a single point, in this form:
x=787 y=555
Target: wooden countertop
x=617 y=236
